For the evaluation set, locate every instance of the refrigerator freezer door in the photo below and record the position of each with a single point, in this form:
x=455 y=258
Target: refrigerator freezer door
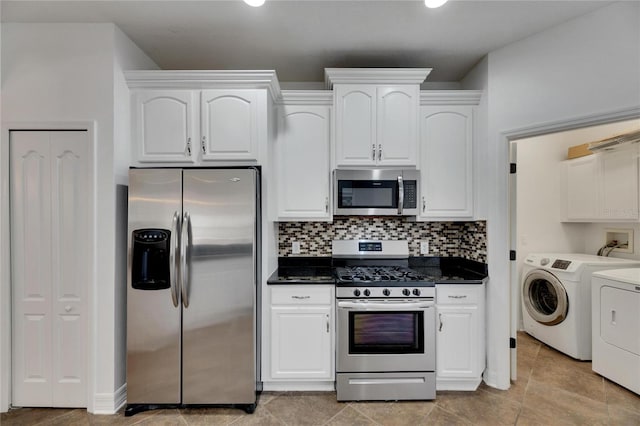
x=219 y=341
x=153 y=319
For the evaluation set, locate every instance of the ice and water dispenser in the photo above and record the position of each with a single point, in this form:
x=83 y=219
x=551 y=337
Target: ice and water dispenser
x=150 y=264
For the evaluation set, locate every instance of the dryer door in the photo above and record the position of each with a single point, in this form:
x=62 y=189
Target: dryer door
x=544 y=297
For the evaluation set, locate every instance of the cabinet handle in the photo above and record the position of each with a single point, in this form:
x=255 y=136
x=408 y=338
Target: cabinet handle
x=327 y=323
x=424 y=205
x=301 y=297
x=326 y=204
x=613 y=317
x=379 y=152
x=203 y=144
x=440 y=319
x=453 y=296
x=188 y=147
x=373 y=151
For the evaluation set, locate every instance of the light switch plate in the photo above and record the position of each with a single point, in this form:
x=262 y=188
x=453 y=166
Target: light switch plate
x=424 y=247
x=295 y=247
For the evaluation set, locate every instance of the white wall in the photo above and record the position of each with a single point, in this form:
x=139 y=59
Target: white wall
x=584 y=67
x=65 y=73
x=478 y=79
x=540 y=198
x=128 y=56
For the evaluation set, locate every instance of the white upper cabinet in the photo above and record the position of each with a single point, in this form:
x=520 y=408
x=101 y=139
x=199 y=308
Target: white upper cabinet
x=200 y=117
x=581 y=183
x=302 y=163
x=376 y=114
x=230 y=124
x=397 y=125
x=603 y=187
x=355 y=125
x=446 y=162
x=163 y=125
x=620 y=185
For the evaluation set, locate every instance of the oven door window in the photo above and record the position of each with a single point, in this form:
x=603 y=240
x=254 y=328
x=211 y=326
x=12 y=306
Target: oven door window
x=386 y=332
x=368 y=194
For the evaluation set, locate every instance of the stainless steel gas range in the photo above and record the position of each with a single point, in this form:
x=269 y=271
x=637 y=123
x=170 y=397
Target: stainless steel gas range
x=385 y=323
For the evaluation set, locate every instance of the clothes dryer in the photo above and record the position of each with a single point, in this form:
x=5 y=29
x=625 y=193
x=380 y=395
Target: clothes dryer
x=616 y=326
x=556 y=298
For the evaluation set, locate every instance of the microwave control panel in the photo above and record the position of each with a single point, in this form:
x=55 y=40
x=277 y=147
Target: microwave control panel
x=410 y=194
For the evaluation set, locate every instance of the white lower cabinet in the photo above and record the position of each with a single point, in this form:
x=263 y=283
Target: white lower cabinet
x=460 y=336
x=301 y=338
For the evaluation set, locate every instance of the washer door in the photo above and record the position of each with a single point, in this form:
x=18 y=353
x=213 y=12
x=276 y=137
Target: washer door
x=544 y=297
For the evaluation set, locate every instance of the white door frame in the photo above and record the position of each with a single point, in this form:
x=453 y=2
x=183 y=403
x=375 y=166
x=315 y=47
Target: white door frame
x=527 y=132
x=5 y=256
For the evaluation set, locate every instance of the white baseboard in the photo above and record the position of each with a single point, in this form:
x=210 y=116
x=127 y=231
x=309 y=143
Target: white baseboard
x=110 y=403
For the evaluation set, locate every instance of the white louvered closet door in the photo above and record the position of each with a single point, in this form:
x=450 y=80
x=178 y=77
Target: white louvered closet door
x=50 y=242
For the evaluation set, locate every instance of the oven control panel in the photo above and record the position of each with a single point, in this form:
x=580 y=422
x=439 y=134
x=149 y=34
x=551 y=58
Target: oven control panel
x=385 y=293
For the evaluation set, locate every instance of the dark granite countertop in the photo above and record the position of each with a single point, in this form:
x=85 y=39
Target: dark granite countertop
x=450 y=270
x=318 y=270
x=303 y=270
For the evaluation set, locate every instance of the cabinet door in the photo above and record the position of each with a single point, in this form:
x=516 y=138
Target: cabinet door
x=302 y=163
x=356 y=143
x=230 y=124
x=446 y=162
x=397 y=125
x=457 y=342
x=620 y=184
x=163 y=125
x=582 y=180
x=301 y=342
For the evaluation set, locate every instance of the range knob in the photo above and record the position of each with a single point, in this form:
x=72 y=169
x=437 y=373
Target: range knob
x=386 y=292
x=406 y=292
x=356 y=292
x=416 y=292
x=367 y=292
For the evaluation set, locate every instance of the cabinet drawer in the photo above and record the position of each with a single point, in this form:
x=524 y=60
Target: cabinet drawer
x=301 y=295
x=459 y=294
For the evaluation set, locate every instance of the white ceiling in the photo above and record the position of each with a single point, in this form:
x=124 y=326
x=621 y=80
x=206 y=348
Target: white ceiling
x=299 y=38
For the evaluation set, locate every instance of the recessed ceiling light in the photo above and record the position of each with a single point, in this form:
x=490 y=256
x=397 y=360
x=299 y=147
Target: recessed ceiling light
x=256 y=3
x=432 y=4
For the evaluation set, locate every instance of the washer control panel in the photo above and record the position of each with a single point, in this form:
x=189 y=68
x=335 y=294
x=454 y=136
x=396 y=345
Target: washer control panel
x=561 y=264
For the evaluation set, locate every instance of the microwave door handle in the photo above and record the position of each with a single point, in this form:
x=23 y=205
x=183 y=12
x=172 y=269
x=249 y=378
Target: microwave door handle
x=400 y=195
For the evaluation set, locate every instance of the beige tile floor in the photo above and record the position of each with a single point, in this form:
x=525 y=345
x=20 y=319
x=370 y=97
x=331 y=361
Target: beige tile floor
x=552 y=389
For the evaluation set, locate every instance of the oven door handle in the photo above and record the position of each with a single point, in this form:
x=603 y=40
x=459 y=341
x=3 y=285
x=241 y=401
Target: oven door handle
x=386 y=306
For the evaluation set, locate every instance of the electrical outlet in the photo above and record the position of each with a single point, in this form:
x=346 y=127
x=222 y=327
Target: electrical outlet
x=424 y=247
x=295 y=247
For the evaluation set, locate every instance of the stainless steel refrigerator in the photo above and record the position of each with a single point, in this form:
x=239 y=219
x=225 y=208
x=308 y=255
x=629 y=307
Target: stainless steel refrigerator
x=192 y=288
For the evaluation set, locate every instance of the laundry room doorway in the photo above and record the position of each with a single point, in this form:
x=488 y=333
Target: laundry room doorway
x=538 y=198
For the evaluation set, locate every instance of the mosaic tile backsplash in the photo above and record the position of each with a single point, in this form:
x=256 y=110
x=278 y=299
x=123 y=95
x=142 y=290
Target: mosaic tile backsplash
x=464 y=239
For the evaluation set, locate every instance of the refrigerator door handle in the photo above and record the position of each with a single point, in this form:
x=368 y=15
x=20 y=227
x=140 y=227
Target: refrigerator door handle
x=173 y=265
x=184 y=267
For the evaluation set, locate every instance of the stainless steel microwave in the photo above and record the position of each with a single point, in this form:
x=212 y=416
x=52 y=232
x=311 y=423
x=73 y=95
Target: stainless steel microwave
x=376 y=192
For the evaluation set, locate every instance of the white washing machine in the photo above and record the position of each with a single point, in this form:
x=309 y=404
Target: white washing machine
x=616 y=326
x=556 y=298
